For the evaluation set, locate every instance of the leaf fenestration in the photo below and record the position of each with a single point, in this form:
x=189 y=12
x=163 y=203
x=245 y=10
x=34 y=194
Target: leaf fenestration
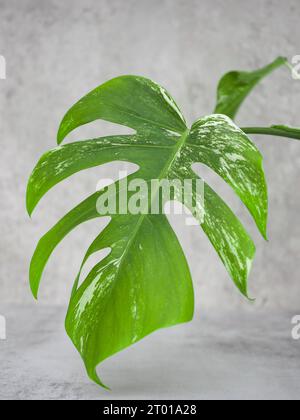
x=144 y=283
x=125 y=297
x=218 y=143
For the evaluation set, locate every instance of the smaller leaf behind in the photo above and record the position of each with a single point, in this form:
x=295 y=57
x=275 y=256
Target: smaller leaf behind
x=235 y=86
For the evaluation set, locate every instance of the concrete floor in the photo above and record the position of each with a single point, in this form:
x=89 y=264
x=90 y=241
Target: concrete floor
x=230 y=356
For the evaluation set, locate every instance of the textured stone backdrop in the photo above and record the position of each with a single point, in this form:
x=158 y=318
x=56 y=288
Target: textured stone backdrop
x=56 y=51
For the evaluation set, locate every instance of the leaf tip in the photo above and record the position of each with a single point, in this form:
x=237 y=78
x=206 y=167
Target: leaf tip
x=60 y=136
x=264 y=232
x=278 y=62
x=33 y=279
x=245 y=293
x=34 y=291
x=95 y=378
x=282 y=59
x=63 y=129
x=29 y=207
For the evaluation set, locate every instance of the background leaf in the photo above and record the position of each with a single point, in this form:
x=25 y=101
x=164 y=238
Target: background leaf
x=235 y=86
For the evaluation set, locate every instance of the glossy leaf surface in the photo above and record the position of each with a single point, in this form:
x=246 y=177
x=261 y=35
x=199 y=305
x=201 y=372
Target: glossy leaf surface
x=144 y=283
x=235 y=86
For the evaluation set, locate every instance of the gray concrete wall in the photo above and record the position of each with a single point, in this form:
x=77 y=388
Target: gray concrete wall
x=56 y=51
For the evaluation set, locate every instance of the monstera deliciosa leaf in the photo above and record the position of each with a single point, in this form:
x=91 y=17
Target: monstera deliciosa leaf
x=144 y=283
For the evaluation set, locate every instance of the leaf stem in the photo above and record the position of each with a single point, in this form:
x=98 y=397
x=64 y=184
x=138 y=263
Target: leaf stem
x=274 y=131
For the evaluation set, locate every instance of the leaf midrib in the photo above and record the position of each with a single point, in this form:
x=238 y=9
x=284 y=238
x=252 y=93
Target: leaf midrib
x=143 y=217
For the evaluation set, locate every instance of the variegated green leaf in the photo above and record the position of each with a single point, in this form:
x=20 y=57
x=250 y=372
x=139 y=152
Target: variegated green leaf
x=235 y=86
x=144 y=283
x=218 y=143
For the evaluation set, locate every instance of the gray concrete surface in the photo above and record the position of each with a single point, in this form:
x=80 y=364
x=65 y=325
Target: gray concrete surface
x=236 y=355
x=56 y=51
